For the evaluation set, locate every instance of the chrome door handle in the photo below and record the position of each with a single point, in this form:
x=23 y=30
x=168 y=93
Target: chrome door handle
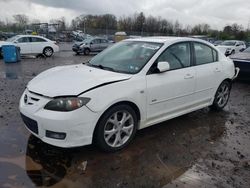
x=188 y=76
x=216 y=70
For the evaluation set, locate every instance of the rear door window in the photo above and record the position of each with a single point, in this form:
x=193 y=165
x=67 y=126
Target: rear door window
x=37 y=39
x=104 y=41
x=204 y=54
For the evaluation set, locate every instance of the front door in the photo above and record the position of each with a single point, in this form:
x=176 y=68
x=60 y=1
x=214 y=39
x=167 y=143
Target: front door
x=169 y=94
x=24 y=44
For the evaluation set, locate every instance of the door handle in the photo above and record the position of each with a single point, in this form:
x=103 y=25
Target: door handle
x=188 y=76
x=216 y=69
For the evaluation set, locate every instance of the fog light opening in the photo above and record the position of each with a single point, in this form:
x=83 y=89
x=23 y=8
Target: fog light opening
x=55 y=135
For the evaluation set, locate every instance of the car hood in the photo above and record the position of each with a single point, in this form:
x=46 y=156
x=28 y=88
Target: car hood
x=241 y=56
x=72 y=80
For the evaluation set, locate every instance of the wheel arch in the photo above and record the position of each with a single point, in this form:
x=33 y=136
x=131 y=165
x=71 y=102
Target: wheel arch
x=125 y=102
x=48 y=47
x=228 y=80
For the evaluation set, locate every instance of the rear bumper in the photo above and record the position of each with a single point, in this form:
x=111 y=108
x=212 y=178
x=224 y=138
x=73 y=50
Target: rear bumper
x=56 y=48
x=237 y=70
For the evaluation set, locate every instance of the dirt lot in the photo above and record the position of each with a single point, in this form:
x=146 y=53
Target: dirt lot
x=201 y=149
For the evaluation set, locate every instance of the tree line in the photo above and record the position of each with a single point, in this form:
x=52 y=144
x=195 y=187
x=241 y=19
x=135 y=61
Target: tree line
x=137 y=23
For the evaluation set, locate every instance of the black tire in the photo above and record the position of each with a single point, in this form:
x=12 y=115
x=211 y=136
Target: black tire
x=86 y=51
x=48 y=51
x=99 y=138
x=217 y=105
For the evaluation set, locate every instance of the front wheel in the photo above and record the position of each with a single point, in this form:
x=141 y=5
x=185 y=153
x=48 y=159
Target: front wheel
x=222 y=96
x=116 y=128
x=86 y=51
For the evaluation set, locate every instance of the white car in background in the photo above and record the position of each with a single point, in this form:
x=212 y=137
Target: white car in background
x=133 y=84
x=230 y=47
x=32 y=44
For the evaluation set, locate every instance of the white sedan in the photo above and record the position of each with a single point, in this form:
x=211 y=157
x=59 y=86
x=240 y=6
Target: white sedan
x=230 y=47
x=31 y=44
x=132 y=85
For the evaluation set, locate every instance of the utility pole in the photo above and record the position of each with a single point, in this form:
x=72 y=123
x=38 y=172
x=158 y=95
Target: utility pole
x=248 y=26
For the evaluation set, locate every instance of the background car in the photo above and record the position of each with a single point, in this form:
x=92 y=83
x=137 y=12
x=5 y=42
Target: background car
x=31 y=44
x=217 y=42
x=242 y=60
x=91 y=45
x=230 y=47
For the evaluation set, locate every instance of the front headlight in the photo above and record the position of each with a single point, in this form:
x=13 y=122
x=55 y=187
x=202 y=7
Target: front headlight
x=66 y=104
x=83 y=45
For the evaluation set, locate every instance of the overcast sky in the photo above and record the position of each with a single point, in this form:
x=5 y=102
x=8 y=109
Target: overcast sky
x=217 y=13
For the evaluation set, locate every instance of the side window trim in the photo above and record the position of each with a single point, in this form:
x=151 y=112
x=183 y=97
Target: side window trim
x=191 y=56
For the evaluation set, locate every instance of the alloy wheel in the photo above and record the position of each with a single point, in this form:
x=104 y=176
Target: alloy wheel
x=222 y=95
x=118 y=128
x=48 y=52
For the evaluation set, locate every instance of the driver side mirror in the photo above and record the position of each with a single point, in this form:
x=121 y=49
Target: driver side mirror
x=163 y=66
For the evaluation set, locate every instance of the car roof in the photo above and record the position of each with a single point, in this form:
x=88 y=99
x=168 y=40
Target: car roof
x=30 y=36
x=234 y=40
x=166 y=39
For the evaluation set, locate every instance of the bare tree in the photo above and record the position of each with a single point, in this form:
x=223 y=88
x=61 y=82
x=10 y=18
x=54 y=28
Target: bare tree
x=21 y=19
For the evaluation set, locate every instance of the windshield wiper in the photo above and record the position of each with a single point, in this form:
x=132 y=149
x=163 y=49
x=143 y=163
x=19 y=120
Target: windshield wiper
x=101 y=67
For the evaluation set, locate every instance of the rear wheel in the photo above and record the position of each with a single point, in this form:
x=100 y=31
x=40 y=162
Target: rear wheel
x=48 y=51
x=116 y=128
x=222 y=95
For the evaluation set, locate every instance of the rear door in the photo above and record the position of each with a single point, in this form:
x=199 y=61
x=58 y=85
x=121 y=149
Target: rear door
x=95 y=45
x=24 y=44
x=37 y=45
x=208 y=72
x=104 y=44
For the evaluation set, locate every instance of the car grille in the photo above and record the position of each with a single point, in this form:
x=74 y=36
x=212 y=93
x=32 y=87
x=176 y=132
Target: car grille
x=30 y=123
x=30 y=100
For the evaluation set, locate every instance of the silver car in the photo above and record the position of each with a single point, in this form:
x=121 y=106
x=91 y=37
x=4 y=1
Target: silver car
x=91 y=45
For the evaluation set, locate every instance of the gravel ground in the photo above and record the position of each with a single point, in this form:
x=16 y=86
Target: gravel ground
x=200 y=149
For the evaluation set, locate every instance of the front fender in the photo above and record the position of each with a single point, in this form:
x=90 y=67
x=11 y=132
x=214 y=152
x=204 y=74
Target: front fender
x=129 y=90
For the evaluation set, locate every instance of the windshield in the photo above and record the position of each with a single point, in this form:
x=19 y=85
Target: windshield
x=12 y=39
x=247 y=50
x=228 y=43
x=127 y=57
x=88 y=40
